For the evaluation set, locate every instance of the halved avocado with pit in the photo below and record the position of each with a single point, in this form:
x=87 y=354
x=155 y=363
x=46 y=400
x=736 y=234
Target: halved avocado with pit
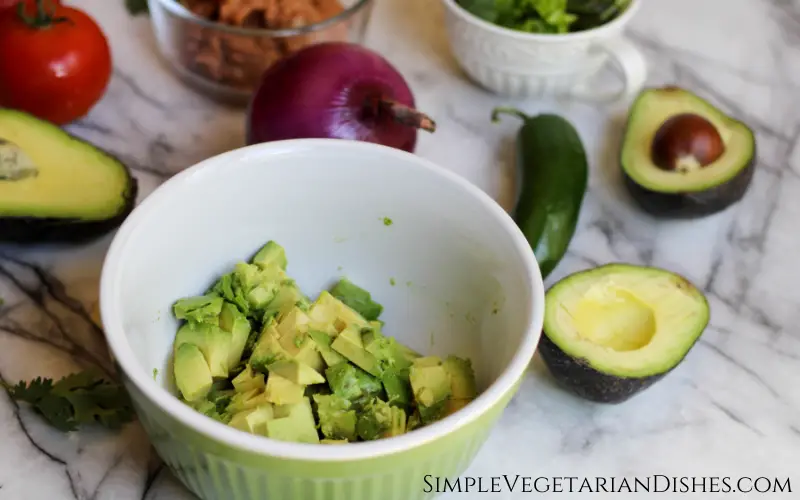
x=612 y=331
x=683 y=157
x=55 y=187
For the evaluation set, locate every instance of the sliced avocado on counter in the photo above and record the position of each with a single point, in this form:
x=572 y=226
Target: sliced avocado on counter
x=683 y=157
x=612 y=331
x=55 y=187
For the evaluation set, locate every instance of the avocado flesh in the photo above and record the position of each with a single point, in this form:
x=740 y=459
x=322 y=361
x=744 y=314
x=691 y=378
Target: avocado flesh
x=76 y=192
x=255 y=363
x=654 y=107
x=611 y=331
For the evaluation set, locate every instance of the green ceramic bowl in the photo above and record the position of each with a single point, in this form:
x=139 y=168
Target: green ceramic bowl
x=453 y=271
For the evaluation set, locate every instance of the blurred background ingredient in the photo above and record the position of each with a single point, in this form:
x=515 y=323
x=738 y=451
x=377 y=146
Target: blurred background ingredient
x=336 y=91
x=55 y=61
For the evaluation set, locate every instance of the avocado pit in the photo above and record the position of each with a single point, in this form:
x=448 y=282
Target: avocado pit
x=686 y=142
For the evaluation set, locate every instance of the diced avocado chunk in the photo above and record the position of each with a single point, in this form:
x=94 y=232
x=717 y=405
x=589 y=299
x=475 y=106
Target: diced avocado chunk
x=229 y=288
x=192 y=375
x=251 y=277
x=323 y=313
x=213 y=342
x=336 y=418
x=294 y=422
x=267 y=351
x=232 y=320
x=296 y=372
x=253 y=420
x=287 y=298
x=295 y=321
x=462 y=377
x=215 y=405
x=203 y=309
x=256 y=354
x=250 y=287
x=330 y=315
x=248 y=380
x=357 y=299
x=205 y=407
x=282 y=391
x=241 y=401
x=271 y=254
x=323 y=342
x=350 y=345
x=303 y=349
x=385 y=349
x=374 y=420
x=350 y=382
x=398 y=424
x=343 y=381
x=294 y=340
x=370 y=386
x=430 y=384
x=397 y=387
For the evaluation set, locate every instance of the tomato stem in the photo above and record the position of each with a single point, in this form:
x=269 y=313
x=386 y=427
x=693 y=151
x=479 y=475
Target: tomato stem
x=42 y=17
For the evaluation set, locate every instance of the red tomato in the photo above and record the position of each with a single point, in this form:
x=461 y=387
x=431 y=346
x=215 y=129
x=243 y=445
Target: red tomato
x=56 y=67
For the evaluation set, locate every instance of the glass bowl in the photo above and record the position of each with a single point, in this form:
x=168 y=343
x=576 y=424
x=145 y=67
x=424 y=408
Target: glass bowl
x=224 y=59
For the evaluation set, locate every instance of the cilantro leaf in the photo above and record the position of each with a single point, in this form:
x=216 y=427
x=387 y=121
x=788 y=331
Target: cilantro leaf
x=77 y=399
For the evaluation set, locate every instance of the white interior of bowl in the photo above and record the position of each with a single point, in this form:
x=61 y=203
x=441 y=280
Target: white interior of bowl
x=454 y=274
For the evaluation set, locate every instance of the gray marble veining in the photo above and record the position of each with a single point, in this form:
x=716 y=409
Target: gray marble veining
x=732 y=408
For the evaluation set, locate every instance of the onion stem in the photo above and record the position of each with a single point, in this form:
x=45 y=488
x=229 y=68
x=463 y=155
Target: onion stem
x=403 y=114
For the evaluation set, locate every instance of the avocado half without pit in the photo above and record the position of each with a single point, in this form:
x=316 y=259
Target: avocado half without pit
x=612 y=331
x=55 y=187
x=682 y=157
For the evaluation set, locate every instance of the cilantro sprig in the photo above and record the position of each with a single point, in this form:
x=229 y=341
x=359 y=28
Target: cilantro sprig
x=546 y=16
x=82 y=398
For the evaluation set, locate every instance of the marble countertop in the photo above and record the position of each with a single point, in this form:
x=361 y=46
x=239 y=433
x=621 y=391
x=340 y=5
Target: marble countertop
x=732 y=408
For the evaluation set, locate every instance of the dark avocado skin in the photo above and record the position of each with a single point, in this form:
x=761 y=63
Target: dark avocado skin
x=32 y=230
x=577 y=376
x=692 y=205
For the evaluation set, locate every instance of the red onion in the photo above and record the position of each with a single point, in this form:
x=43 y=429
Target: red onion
x=335 y=90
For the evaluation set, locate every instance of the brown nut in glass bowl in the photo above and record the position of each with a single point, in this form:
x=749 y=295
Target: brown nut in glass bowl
x=222 y=47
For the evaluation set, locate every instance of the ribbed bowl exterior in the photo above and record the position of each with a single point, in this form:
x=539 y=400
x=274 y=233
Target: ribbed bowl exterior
x=214 y=470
